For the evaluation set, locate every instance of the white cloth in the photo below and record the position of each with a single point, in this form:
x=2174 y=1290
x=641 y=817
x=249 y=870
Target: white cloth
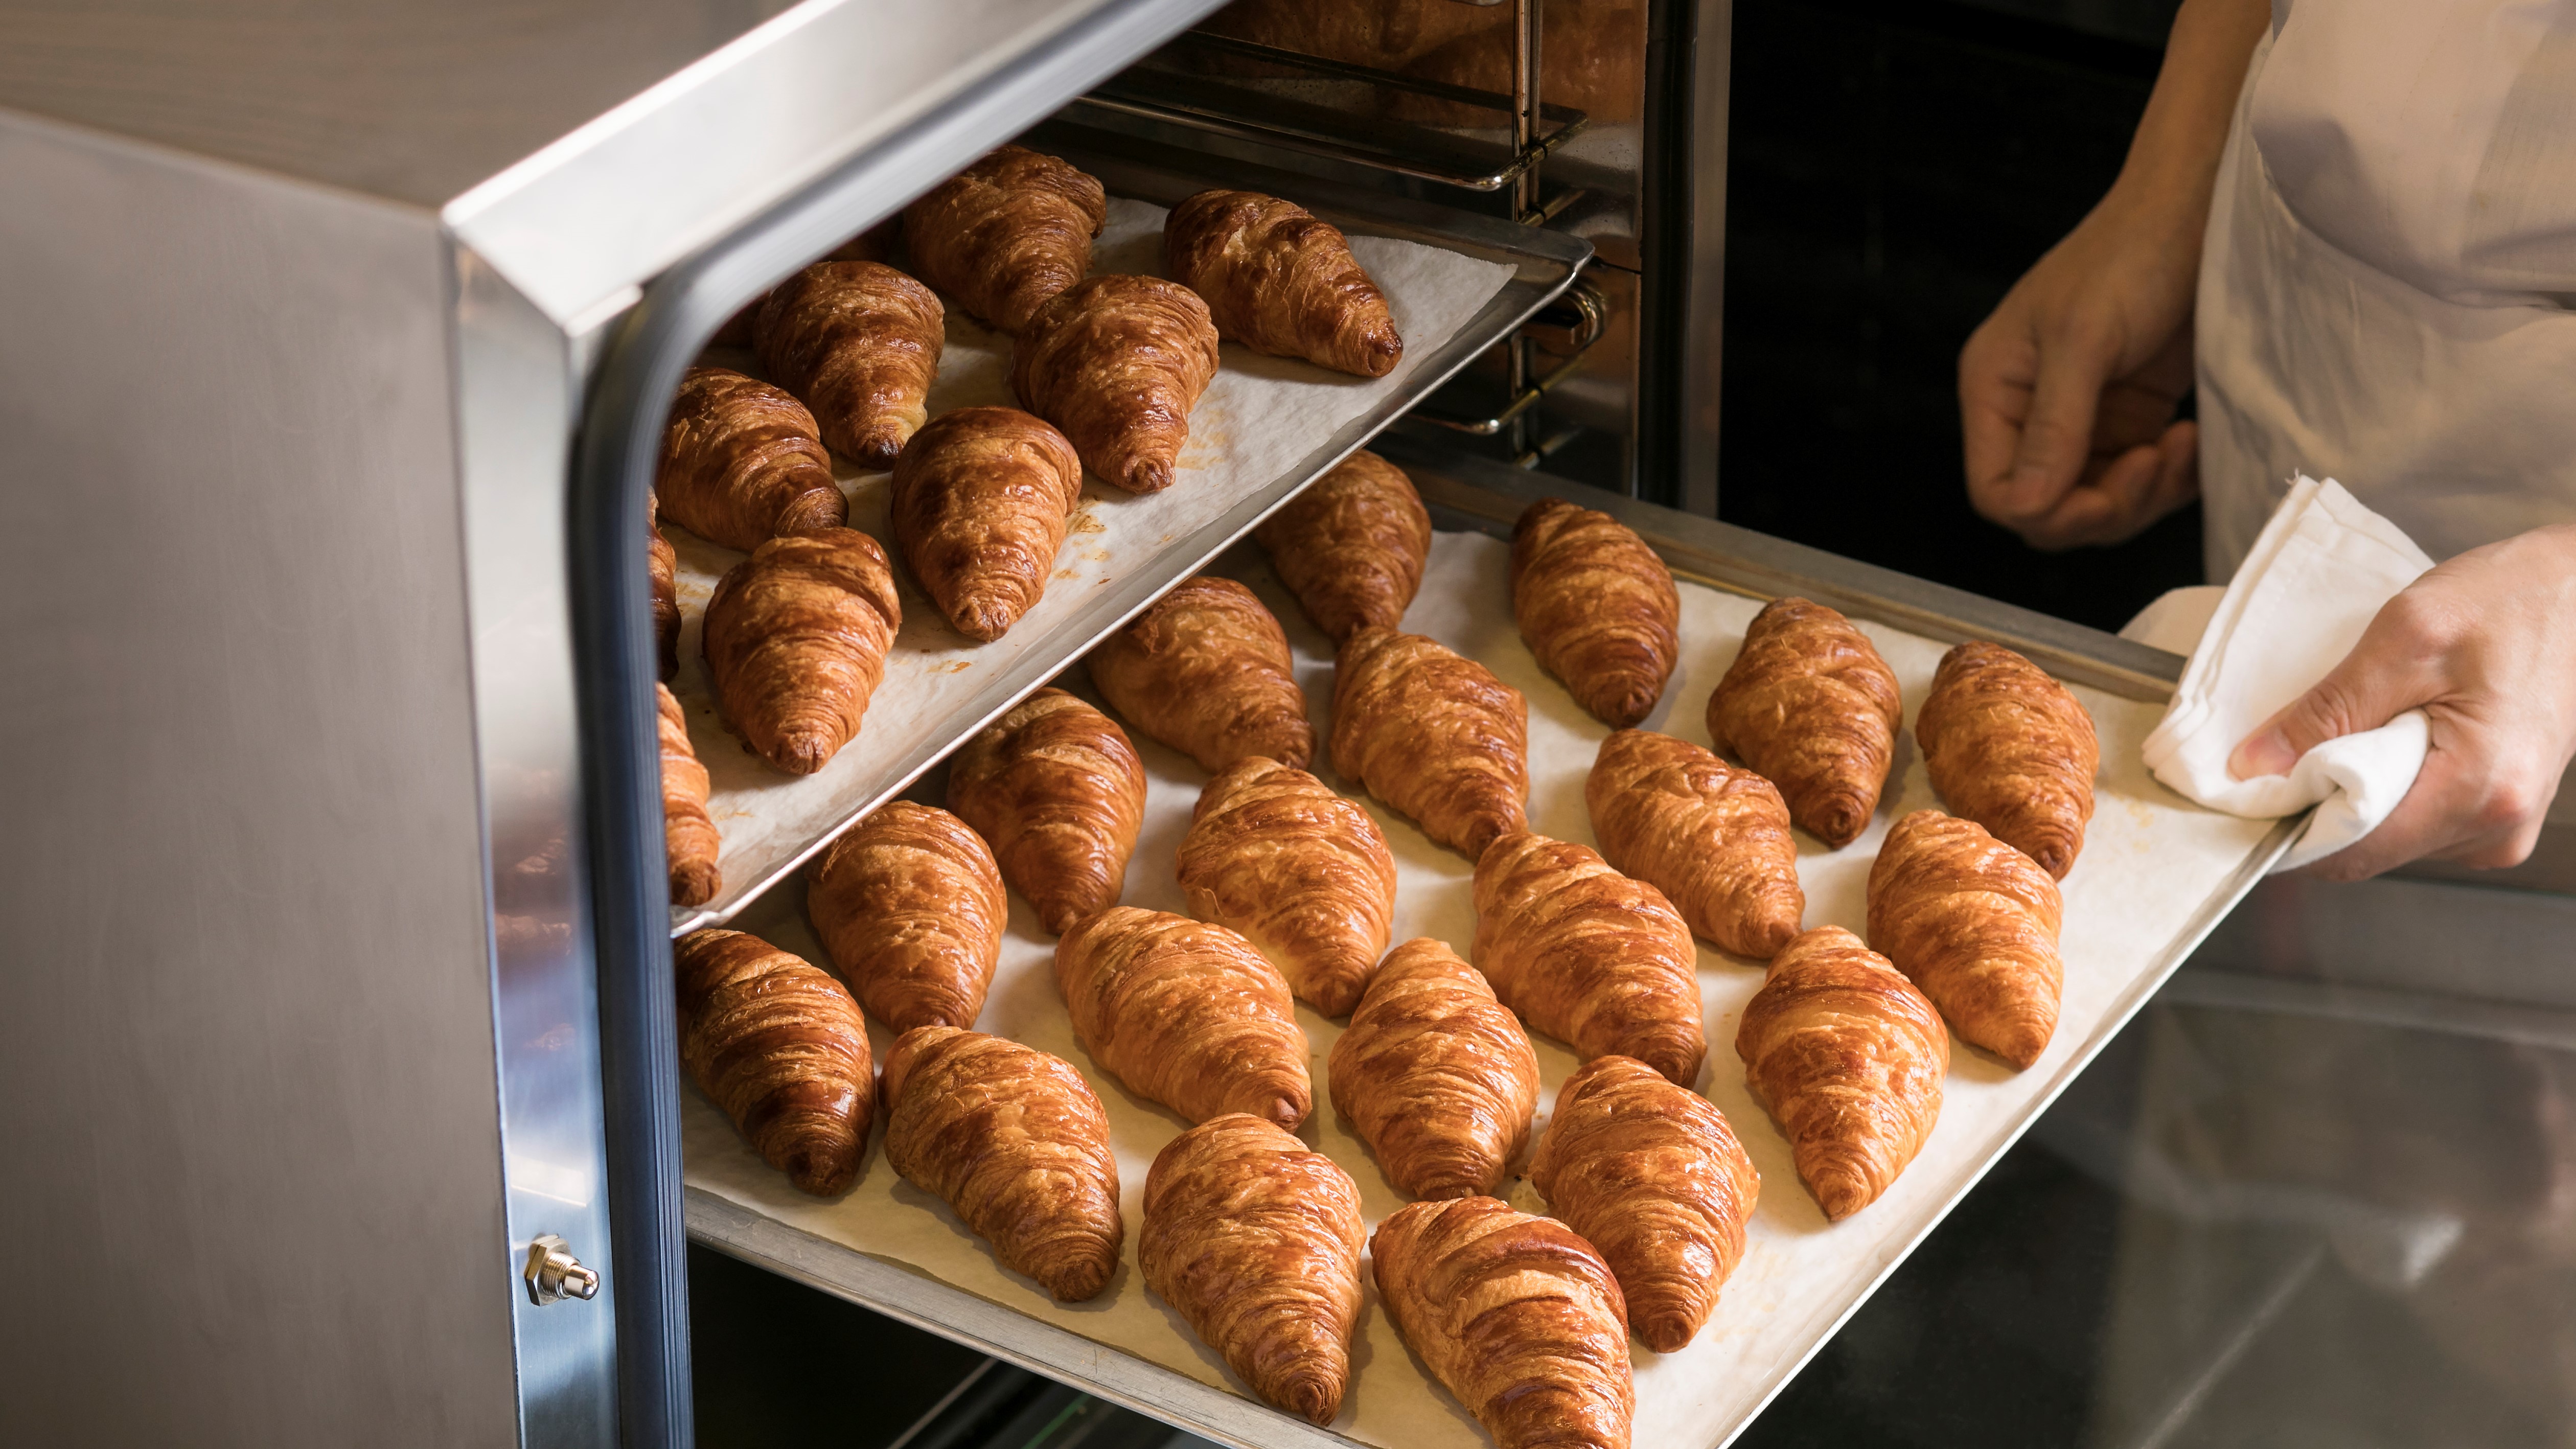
x=2316 y=575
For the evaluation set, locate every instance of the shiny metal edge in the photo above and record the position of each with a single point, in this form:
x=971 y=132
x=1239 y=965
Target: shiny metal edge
x=1704 y=289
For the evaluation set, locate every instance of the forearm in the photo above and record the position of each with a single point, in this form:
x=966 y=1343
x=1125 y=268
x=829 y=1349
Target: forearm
x=2172 y=164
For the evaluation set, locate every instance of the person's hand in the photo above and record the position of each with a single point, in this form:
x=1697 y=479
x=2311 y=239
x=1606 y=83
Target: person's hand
x=2485 y=645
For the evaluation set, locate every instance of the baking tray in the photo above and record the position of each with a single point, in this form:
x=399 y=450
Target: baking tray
x=2156 y=875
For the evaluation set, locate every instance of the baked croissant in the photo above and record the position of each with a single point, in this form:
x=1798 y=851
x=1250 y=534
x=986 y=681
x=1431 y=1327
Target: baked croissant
x=1516 y=1315
x=859 y=343
x=1813 y=709
x=1057 y=791
x=1974 y=923
x=1302 y=873
x=910 y=906
x=1714 y=839
x=1281 y=281
x=1186 y=1014
x=688 y=835
x=2011 y=749
x=1847 y=1057
x=796 y=637
x=782 y=1049
x=1435 y=1074
x=1434 y=735
x=1597 y=607
x=662 y=567
x=1006 y=234
x=1206 y=670
x=742 y=463
x=1351 y=547
x=1652 y=1176
x=1118 y=362
x=1587 y=955
x=1014 y=1141
x=1256 y=1241
x=981 y=501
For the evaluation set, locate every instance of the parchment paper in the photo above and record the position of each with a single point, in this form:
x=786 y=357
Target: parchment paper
x=2149 y=862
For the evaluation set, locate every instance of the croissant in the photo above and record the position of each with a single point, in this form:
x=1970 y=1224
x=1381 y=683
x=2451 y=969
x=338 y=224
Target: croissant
x=1714 y=839
x=1847 y=1057
x=1186 y=1014
x=1587 y=955
x=1351 y=547
x=1813 y=709
x=782 y=1049
x=1006 y=234
x=662 y=567
x=1056 y=790
x=1434 y=735
x=1516 y=1315
x=1652 y=1176
x=910 y=906
x=688 y=835
x=2011 y=749
x=1256 y=1241
x=1597 y=607
x=1301 y=872
x=796 y=637
x=1206 y=670
x=859 y=343
x=1118 y=362
x=1014 y=1141
x=1974 y=923
x=1281 y=281
x=741 y=463
x=981 y=501
x=1435 y=1074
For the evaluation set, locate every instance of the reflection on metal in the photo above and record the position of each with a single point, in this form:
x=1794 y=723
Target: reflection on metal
x=554 y=1274
x=1582 y=315
x=2230 y=1350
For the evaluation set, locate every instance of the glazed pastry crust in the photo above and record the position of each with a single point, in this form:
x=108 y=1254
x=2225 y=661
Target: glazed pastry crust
x=859 y=343
x=1206 y=670
x=982 y=500
x=1652 y=1176
x=1597 y=607
x=1974 y=923
x=1256 y=1241
x=911 y=908
x=1351 y=547
x=1848 y=1058
x=1433 y=734
x=1118 y=362
x=743 y=463
x=1013 y=1140
x=1186 y=1014
x=1714 y=839
x=1274 y=854
x=1057 y=791
x=1006 y=234
x=796 y=637
x=2011 y=749
x=662 y=568
x=782 y=1049
x=1812 y=708
x=688 y=835
x=1435 y=1075
x=1587 y=955
x=1281 y=281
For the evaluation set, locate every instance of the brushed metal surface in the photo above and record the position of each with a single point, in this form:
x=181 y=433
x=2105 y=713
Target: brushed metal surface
x=1703 y=294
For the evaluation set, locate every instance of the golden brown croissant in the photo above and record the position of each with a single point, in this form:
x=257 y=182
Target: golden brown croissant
x=1714 y=839
x=1118 y=362
x=981 y=501
x=1006 y=234
x=1597 y=607
x=1014 y=1141
x=1974 y=923
x=1652 y=1176
x=1186 y=1014
x=1256 y=1241
x=1847 y=1057
x=688 y=834
x=742 y=463
x=1057 y=791
x=1434 y=735
x=1206 y=670
x=1301 y=872
x=910 y=906
x=859 y=343
x=2011 y=749
x=1435 y=1074
x=782 y=1049
x=1813 y=709
x=1351 y=546
x=796 y=637
x=1583 y=953
x=662 y=567
x=1281 y=281
x=1516 y=1315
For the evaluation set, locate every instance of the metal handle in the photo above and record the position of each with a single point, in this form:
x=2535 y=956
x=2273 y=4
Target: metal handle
x=1583 y=313
x=554 y=1274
